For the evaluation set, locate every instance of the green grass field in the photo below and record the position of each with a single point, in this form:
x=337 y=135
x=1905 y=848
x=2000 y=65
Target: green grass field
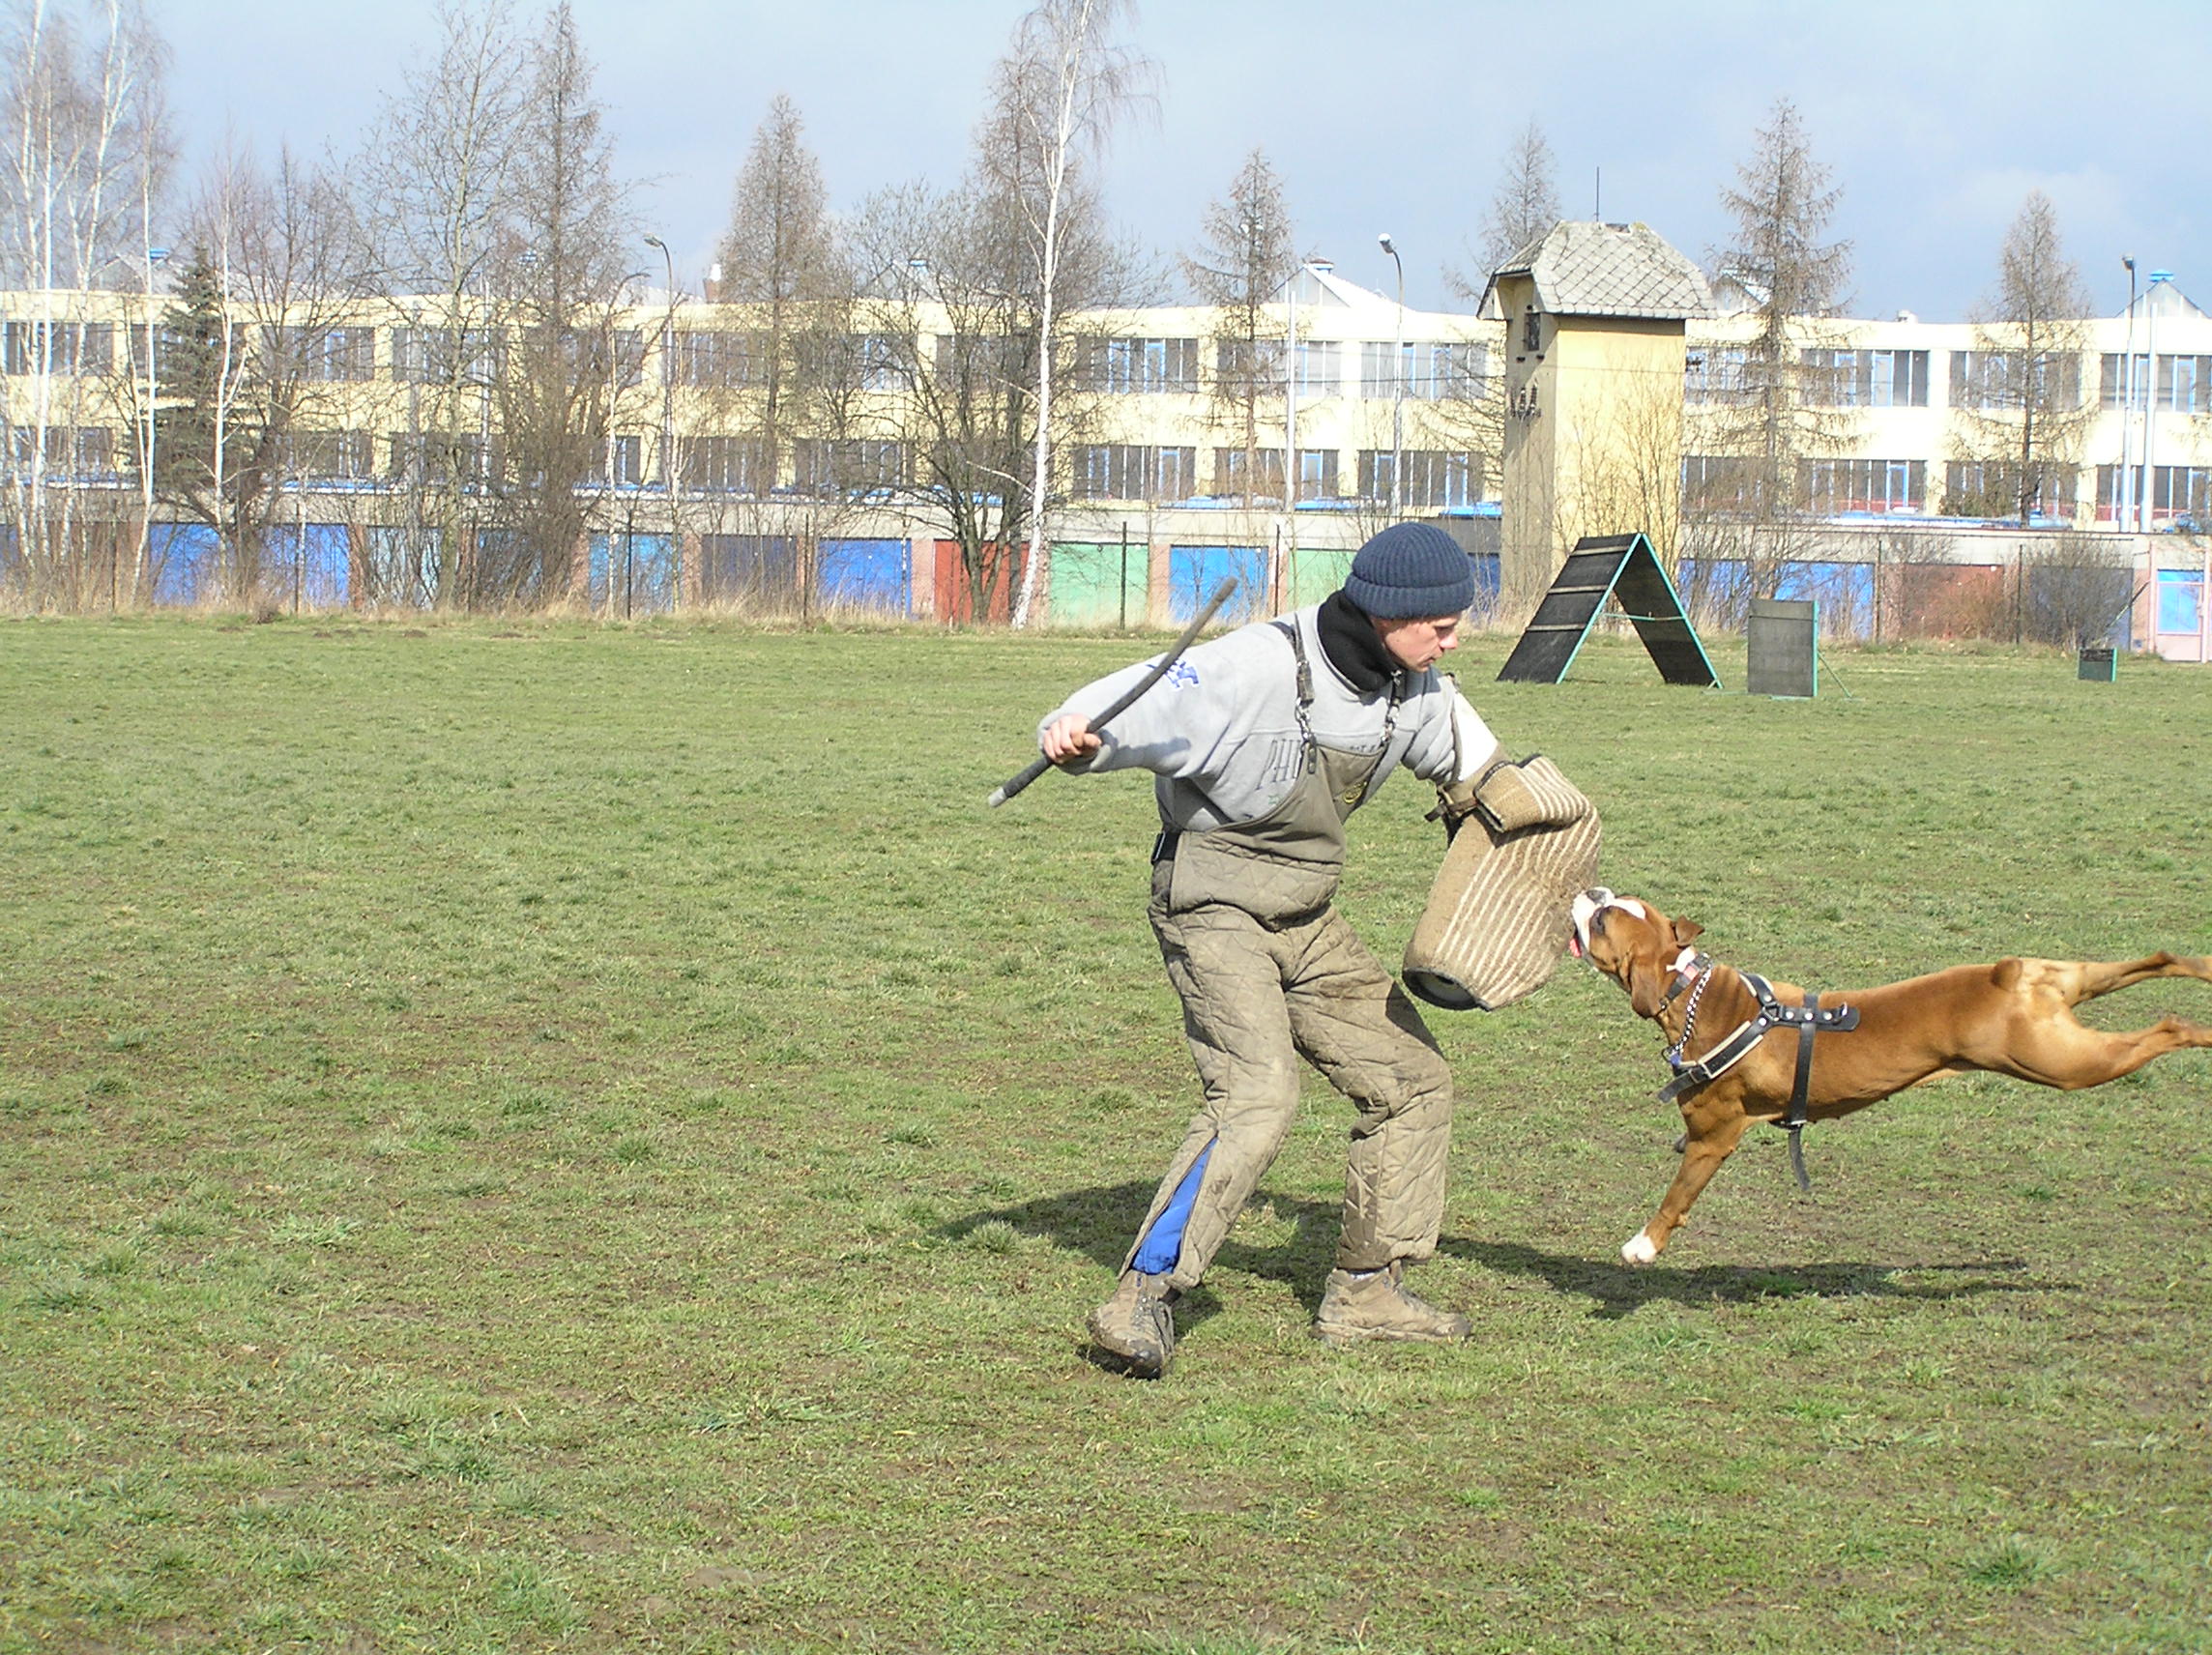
x=546 y=1137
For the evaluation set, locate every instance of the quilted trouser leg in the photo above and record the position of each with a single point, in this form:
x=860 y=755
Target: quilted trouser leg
x=1225 y=967
x=1363 y=1033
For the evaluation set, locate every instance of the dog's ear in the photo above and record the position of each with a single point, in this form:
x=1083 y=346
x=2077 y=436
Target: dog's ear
x=1686 y=932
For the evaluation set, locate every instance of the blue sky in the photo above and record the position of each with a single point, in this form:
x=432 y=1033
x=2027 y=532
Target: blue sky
x=1936 y=117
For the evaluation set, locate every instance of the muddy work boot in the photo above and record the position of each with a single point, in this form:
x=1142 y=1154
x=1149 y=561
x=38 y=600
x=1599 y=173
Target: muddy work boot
x=1135 y=1328
x=1374 y=1304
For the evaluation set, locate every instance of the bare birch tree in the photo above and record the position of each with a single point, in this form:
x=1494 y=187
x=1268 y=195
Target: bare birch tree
x=959 y=327
x=86 y=159
x=2019 y=415
x=1056 y=95
x=1241 y=265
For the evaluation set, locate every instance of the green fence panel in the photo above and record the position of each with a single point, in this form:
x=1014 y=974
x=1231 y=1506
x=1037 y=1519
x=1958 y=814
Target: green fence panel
x=1095 y=586
x=1313 y=574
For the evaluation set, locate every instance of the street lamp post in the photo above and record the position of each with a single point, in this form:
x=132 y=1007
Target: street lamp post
x=668 y=477
x=1397 y=387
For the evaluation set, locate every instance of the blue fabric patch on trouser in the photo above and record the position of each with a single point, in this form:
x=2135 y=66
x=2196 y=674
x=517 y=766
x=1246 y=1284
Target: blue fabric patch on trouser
x=1163 y=1243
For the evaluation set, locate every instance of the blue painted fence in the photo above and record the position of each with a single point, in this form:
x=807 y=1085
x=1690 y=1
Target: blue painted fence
x=632 y=574
x=873 y=575
x=1194 y=572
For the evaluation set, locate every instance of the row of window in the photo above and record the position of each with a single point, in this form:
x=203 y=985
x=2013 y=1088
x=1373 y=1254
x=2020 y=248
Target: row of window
x=2173 y=492
x=1435 y=478
x=1720 y=374
x=1424 y=370
x=743 y=465
x=1724 y=374
x=2183 y=384
x=1829 y=487
x=735 y=465
x=1970 y=488
x=718 y=465
x=1870 y=379
x=416 y=356
x=66 y=451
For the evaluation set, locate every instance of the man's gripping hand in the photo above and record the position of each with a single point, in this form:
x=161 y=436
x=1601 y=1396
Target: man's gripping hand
x=1069 y=740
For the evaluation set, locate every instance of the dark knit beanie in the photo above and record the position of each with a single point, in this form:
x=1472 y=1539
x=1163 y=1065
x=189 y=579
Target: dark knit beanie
x=1411 y=570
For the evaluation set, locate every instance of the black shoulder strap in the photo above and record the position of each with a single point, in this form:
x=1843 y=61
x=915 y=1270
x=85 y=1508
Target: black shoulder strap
x=1290 y=630
x=1800 y=1088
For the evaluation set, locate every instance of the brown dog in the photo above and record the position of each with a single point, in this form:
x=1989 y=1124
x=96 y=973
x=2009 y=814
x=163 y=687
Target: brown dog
x=2013 y=1018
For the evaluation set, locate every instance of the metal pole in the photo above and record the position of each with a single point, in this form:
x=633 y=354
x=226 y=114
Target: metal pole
x=1124 y=574
x=1397 y=387
x=2123 y=493
x=668 y=426
x=154 y=256
x=1290 y=398
x=2150 y=388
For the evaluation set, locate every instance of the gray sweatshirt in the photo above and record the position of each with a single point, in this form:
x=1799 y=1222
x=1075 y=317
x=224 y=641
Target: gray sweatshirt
x=1220 y=732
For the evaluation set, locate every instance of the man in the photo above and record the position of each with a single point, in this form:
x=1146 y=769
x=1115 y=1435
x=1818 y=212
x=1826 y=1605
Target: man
x=1262 y=742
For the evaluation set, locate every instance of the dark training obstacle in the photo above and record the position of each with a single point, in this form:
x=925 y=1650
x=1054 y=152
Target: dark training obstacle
x=1782 y=645
x=1621 y=566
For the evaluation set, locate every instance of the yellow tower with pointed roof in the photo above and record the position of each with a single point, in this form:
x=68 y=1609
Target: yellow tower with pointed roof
x=1595 y=316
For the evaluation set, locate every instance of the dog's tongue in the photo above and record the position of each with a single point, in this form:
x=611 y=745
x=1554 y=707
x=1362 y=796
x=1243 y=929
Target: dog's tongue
x=1574 y=946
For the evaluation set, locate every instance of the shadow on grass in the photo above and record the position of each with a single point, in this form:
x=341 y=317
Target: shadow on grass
x=1099 y=1221
x=1621 y=1290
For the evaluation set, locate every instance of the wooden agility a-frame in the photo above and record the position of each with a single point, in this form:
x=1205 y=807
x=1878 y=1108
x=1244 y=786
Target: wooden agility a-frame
x=1621 y=567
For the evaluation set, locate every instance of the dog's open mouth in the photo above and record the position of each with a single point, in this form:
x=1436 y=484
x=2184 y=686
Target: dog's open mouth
x=1574 y=946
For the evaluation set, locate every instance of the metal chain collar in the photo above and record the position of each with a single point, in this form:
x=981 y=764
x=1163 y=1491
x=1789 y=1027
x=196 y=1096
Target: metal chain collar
x=1690 y=1018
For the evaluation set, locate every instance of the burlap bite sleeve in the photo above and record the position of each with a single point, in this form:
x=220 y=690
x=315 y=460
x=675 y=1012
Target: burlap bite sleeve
x=1500 y=910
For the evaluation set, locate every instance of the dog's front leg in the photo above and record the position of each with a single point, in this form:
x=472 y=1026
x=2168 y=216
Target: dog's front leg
x=1711 y=1141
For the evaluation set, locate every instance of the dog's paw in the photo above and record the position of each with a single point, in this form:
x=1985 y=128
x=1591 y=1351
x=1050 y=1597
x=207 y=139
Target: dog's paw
x=1638 y=1250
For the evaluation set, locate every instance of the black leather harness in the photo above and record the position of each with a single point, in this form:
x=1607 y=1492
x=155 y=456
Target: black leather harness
x=1809 y=1019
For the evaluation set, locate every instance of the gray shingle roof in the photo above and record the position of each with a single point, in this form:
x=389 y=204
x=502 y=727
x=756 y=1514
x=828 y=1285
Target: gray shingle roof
x=1584 y=269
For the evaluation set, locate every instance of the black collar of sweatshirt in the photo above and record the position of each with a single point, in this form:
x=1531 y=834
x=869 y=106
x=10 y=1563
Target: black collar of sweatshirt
x=1353 y=646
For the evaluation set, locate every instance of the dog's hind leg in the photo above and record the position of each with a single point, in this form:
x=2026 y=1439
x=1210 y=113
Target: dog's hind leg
x=1706 y=1150
x=2062 y=1053
x=2076 y=980
x=2035 y=1036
